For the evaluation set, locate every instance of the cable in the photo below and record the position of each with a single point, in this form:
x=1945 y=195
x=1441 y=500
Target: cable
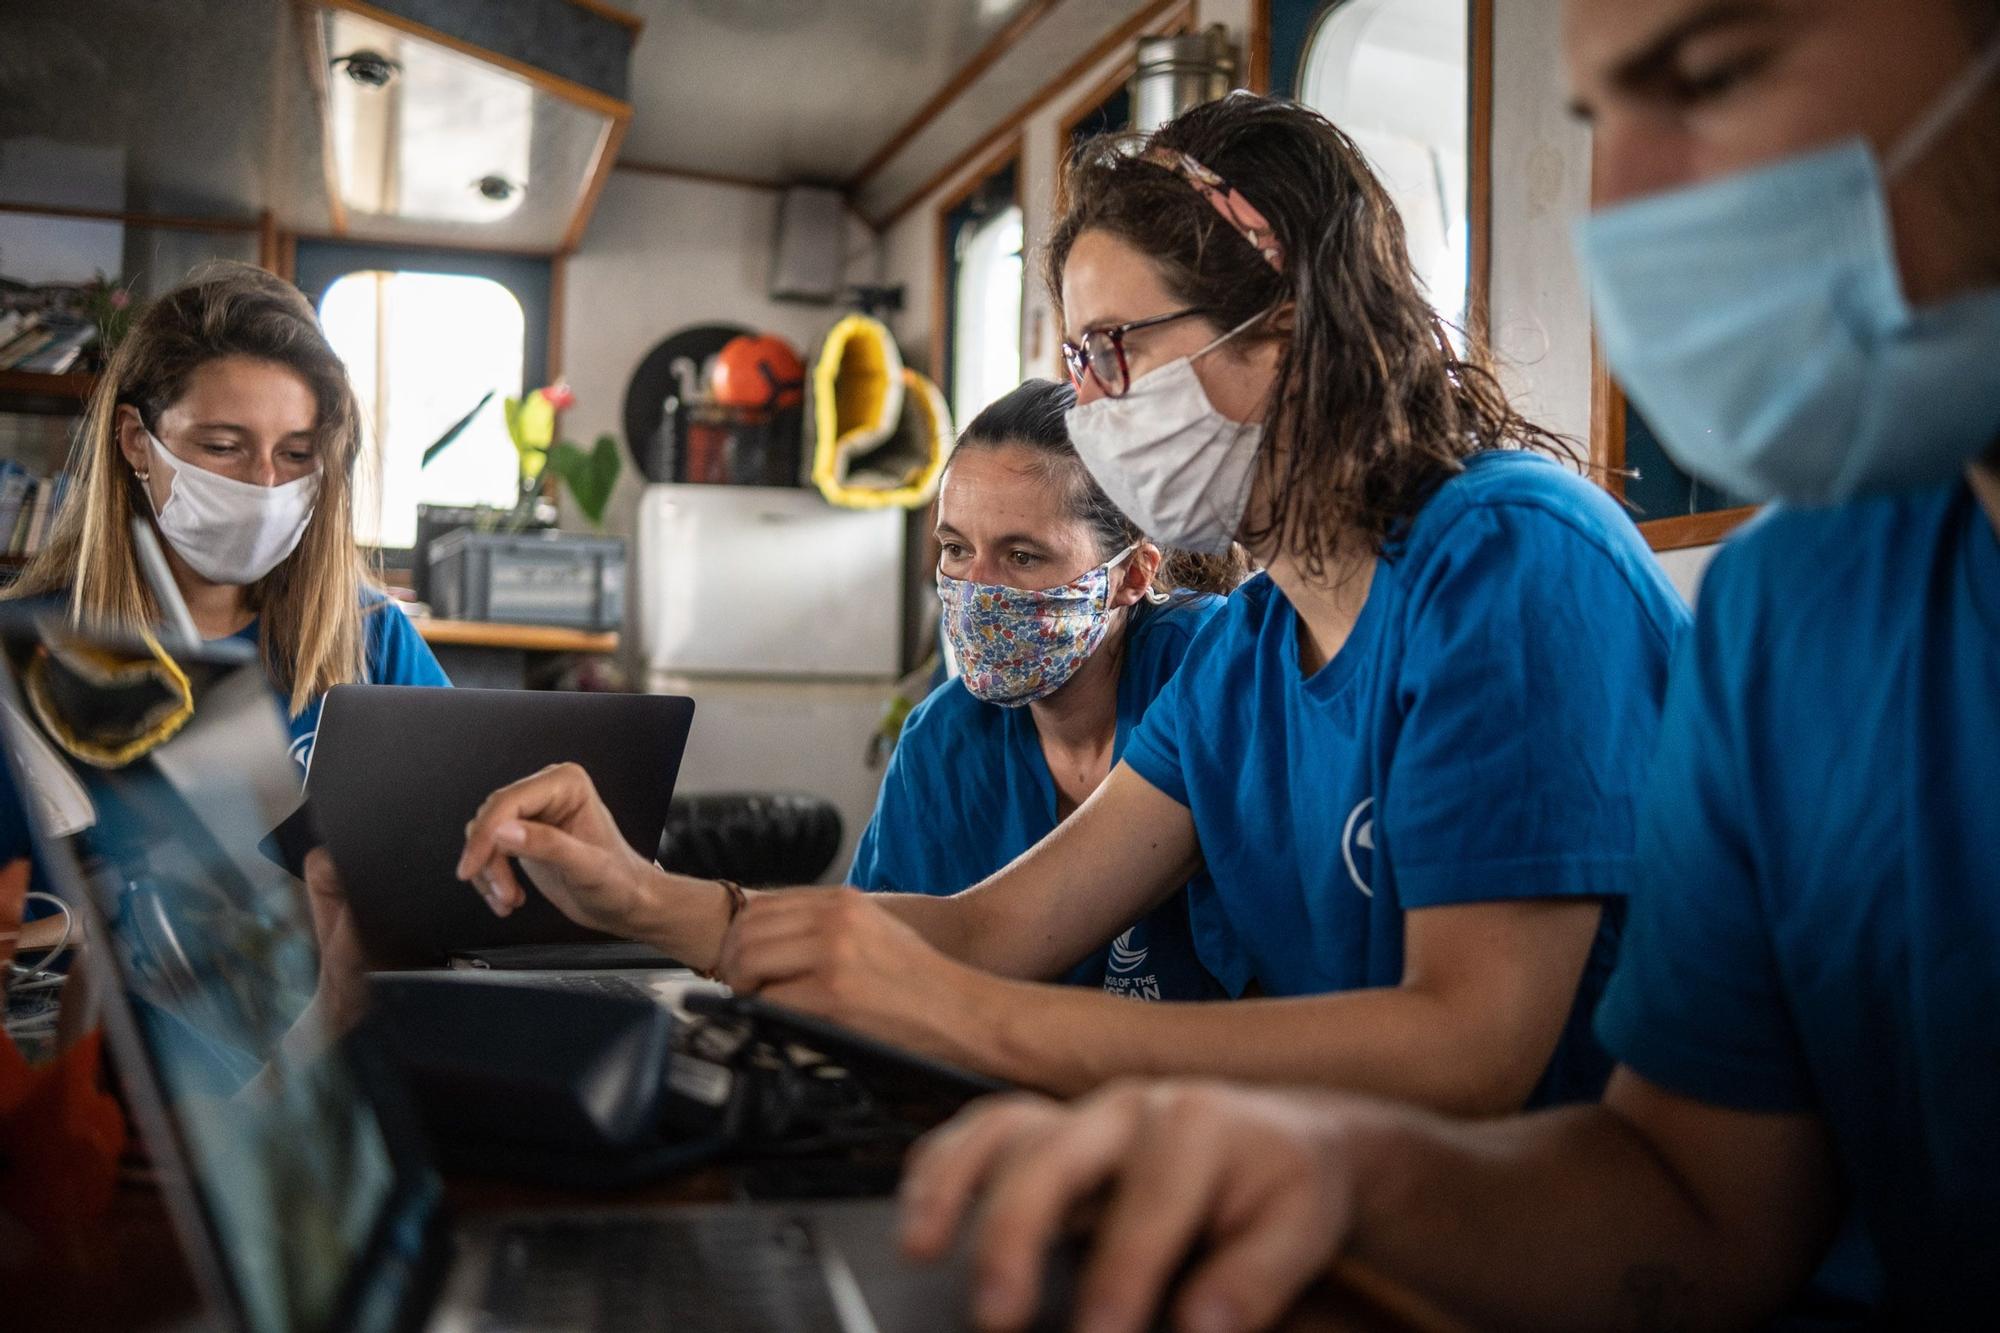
x=28 y=981
x=62 y=941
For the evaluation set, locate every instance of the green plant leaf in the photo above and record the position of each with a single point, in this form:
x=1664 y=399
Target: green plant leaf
x=589 y=476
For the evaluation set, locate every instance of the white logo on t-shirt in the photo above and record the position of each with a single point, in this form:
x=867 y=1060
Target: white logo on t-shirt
x=1359 y=833
x=1125 y=958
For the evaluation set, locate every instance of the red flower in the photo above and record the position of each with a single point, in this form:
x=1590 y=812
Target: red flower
x=560 y=395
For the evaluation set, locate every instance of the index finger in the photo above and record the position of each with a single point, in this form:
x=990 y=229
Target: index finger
x=550 y=796
x=946 y=1167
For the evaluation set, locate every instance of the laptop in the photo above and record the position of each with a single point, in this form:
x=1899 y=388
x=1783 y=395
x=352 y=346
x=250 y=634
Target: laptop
x=398 y=771
x=302 y=1195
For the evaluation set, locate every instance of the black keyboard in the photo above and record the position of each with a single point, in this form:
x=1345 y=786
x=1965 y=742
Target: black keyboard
x=720 y=1272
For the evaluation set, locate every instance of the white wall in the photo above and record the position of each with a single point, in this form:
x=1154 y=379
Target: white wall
x=1541 y=184
x=1541 y=181
x=661 y=254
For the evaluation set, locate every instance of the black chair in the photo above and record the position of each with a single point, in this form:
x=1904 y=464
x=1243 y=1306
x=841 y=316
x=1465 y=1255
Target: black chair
x=754 y=838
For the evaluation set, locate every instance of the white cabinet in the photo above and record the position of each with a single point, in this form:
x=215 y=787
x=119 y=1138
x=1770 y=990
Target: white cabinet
x=767 y=582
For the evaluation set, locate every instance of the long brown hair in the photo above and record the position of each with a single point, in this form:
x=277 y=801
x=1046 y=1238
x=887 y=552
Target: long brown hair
x=1032 y=416
x=1374 y=407
x=309 y=607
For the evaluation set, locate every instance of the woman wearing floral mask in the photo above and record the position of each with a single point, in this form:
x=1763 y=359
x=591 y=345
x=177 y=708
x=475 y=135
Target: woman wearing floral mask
x=1065 y=622
x=1409 y=756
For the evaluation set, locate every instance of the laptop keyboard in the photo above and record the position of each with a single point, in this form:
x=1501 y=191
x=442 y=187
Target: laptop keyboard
x=598 y=982
x=717 y=1273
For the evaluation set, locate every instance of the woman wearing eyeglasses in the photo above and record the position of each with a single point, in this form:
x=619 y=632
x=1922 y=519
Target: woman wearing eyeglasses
x=1409 y=755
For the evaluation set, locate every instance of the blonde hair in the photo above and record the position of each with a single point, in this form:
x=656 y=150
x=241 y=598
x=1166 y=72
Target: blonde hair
x=309 y=608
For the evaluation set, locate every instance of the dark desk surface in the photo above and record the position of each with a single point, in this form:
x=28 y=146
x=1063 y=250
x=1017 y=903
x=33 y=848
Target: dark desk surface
x=135 y=1277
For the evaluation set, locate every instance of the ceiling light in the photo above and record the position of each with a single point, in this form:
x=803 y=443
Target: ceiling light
x=370 y=69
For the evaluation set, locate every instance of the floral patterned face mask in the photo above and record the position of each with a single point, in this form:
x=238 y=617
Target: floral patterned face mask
x=1017 y=645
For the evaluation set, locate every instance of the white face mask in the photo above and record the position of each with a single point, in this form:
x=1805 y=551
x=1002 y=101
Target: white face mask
x=230 y=532
x=1178 y=468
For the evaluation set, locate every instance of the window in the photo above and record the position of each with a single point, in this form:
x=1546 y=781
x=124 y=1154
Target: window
x=1394 y=74
x=986 y=337
x=425 y=332
x=421 y=349
x=982 y=273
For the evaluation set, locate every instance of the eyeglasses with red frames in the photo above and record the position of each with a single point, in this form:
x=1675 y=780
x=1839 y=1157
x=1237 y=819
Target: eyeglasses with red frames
x=1102 y=351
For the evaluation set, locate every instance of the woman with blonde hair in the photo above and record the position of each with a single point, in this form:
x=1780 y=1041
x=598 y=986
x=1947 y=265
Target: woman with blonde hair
x=227 y=420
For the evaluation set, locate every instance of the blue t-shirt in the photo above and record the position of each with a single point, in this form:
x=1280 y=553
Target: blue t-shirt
x=395 y=655
x=1481 y=736
x=968 y=790
x=1820 y=923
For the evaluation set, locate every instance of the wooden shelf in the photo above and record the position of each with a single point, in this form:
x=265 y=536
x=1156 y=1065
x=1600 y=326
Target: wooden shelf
x=76 y=385
x=527 y=638
x=63 y=393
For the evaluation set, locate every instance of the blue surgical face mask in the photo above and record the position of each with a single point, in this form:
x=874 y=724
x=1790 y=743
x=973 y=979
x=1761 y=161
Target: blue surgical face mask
x=1759 y=324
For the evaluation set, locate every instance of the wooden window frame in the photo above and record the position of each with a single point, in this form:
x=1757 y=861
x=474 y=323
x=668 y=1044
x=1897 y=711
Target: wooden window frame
x=1478 y=137
x=1010 y=154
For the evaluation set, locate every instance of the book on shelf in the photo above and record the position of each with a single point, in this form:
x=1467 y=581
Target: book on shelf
x=25 y=346
x=15 y=482
x=28 y=507
x=61 y=352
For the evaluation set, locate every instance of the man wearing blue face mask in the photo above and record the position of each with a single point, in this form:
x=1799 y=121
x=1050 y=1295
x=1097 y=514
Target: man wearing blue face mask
x=1797 y=272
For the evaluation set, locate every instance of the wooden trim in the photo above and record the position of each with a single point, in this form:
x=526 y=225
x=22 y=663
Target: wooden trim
x=1607 y=454
x=1011 y=151
x=267 y=241
x=558 y=286
x=427 y=243
x=1257 y=48
x=524 y=638
x=697 y=175
x=288 y=256
x=982 y=60
x=1676 y=534
x=608 y=140
x=632 y=23
x=1479 y=161
x=568 y=90
x=33 y=384
x=1607 y=425
x=165 y=221
x=1048 y=92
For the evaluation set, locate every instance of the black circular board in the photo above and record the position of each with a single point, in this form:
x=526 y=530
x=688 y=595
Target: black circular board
x=654 y=382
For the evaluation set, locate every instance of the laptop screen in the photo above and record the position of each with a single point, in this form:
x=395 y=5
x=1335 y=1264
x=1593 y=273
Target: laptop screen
x=289 y=1166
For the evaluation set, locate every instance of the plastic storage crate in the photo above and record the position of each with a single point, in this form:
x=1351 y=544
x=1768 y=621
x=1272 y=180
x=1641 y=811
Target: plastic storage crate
x=529 y=578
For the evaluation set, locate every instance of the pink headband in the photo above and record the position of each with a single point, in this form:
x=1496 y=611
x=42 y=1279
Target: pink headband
x=1237 y=211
